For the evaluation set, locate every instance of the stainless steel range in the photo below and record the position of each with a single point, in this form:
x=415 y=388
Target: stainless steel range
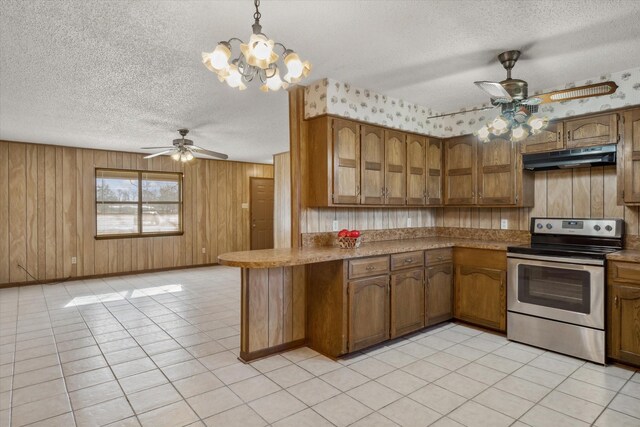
x=556 y=285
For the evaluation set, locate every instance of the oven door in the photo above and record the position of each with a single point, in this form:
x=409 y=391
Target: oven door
x=556 y=290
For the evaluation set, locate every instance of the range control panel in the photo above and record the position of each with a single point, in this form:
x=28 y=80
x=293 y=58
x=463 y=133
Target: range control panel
x=579 y=227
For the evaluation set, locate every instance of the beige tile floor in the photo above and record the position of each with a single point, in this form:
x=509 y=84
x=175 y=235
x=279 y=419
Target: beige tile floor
x=161 y=350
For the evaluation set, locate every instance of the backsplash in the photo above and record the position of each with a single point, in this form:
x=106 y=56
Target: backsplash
x=329 y=96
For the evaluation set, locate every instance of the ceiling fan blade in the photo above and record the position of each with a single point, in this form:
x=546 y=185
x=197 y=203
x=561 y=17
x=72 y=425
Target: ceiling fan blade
x=587 y=91
x=208 y=152
x=150 y=156
x=154 y=148
x=463 y=112
x=494 y=90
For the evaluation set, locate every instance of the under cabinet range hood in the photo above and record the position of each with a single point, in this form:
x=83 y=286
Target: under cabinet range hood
x=603 y=155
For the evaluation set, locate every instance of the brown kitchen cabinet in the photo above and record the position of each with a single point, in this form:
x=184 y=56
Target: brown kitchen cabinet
x=496 y=172
x=480 y=287
x=460 y=170
x=600 y=129
x=395 y=174
x=407 y=301
x=550 y=138
x=631 y=164
x=416 y=170
x=434 y=172
x=368 y=307
x=438 y=286
x=623 y=312
x=372 y=155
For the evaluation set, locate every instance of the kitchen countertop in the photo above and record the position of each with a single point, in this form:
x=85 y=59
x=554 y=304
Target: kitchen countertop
x=268 y=258
x=628 y=255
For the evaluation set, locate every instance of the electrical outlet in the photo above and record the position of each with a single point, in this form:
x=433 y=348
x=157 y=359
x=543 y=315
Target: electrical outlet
x=204 y=251
x=408 y=222
x=335 y=225
x=504 y=224
x=74 y=260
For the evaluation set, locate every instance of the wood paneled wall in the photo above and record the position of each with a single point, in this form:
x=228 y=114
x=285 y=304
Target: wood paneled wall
x=47 y=213
x=585 y=193
x=282 y=200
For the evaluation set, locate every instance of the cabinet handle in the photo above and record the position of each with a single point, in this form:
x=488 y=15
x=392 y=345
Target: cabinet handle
x=615 y=301
x=357 y=190
x=382 y=192
x=408 y=260
x=370 y=268
x=440 y=258
x=480 y=195
x=568 y=135
x=559 y=137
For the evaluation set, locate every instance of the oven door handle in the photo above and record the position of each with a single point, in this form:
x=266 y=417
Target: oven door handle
x=581 y=261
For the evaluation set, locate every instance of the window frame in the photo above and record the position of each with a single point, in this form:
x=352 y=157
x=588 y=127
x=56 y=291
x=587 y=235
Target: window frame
x=139 y=204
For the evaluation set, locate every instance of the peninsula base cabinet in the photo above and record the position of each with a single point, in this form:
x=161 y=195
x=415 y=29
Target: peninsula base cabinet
x=623 y=312
x=480 y=287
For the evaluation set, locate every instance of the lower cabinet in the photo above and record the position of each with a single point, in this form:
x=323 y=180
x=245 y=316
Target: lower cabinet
x=407 y=302
x=480 y=287
x=439 y=293
x=368 y=301
x=623 y=312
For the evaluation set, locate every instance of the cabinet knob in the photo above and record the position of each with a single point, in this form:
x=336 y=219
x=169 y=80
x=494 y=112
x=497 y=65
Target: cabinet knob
x=370 y=267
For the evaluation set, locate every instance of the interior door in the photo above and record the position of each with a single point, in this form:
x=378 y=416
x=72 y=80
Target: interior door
x=261 y=203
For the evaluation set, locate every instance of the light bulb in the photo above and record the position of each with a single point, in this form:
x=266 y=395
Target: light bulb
x=537 y=124
x=499 y=126
x=296 y=69
x=519 y=133
x=176 y=156
x=234 y=79
x=273 y=83
x=188 y=155
x=483 y=133
x=259 y=51
x=183 y=158
x=260 y=46
x=220 y=57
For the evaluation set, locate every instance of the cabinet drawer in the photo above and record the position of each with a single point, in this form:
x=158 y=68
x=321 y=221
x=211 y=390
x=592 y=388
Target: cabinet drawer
x=624 y=272
x=437 y=256
x=407 y=260
x=365 y=267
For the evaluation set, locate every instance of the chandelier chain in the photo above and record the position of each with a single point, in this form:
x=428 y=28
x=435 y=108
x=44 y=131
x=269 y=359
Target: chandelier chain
x=257 y=15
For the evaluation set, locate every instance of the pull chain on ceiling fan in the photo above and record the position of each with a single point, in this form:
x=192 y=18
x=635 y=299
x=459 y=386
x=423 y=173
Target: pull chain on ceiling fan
x=183 y=149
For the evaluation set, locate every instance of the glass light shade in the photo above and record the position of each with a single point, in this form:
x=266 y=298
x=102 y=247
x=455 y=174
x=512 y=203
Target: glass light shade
x=259 y=51
x=176 y=156
x=537 y=124
x=234 y=79
x=296 y=69
x=188 y=155
x=519 y=133
x=483 y=133
x=218 y=60
x=499 y=126
x=273 y=83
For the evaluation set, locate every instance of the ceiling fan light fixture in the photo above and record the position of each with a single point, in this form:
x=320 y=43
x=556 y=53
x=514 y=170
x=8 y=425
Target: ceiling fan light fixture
x=537 y=124
x=256 y=58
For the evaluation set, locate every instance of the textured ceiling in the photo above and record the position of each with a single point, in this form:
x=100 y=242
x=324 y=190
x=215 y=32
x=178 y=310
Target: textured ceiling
x=121 y=75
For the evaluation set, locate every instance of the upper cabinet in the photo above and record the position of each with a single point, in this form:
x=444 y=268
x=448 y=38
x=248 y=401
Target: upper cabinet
x=549 y=139
x=372 y=149
x=599 y=129
x=416 y=170
x=631 y=152
x=496 y=172
x=460 y=170
x=590 y=131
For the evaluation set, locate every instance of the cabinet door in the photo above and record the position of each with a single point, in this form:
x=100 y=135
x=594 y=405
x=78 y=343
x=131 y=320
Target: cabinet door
x=368 y=312
x=595 y=130
x=480 y=296
x=416 y=170
x=439 y=293
x=346 y=162
x=372 y=166
x=407 y=302
x=632 y=156
x=460 y=170
x=434 y=171
x=549 y=139
x=496 y=172
x=395 y=176
x=624 y=325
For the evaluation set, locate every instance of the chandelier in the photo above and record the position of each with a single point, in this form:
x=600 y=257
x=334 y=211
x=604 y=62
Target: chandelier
x=515 y=123
x=257 y=59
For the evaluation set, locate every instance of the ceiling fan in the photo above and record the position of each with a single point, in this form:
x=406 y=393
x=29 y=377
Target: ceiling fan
x=513 y=95
x=183 y=149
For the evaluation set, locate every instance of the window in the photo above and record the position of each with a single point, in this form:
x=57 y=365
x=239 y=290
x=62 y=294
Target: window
x=138 y=203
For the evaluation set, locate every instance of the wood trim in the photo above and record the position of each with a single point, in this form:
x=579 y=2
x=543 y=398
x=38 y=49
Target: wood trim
x=250 y=356
x=297 y=136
